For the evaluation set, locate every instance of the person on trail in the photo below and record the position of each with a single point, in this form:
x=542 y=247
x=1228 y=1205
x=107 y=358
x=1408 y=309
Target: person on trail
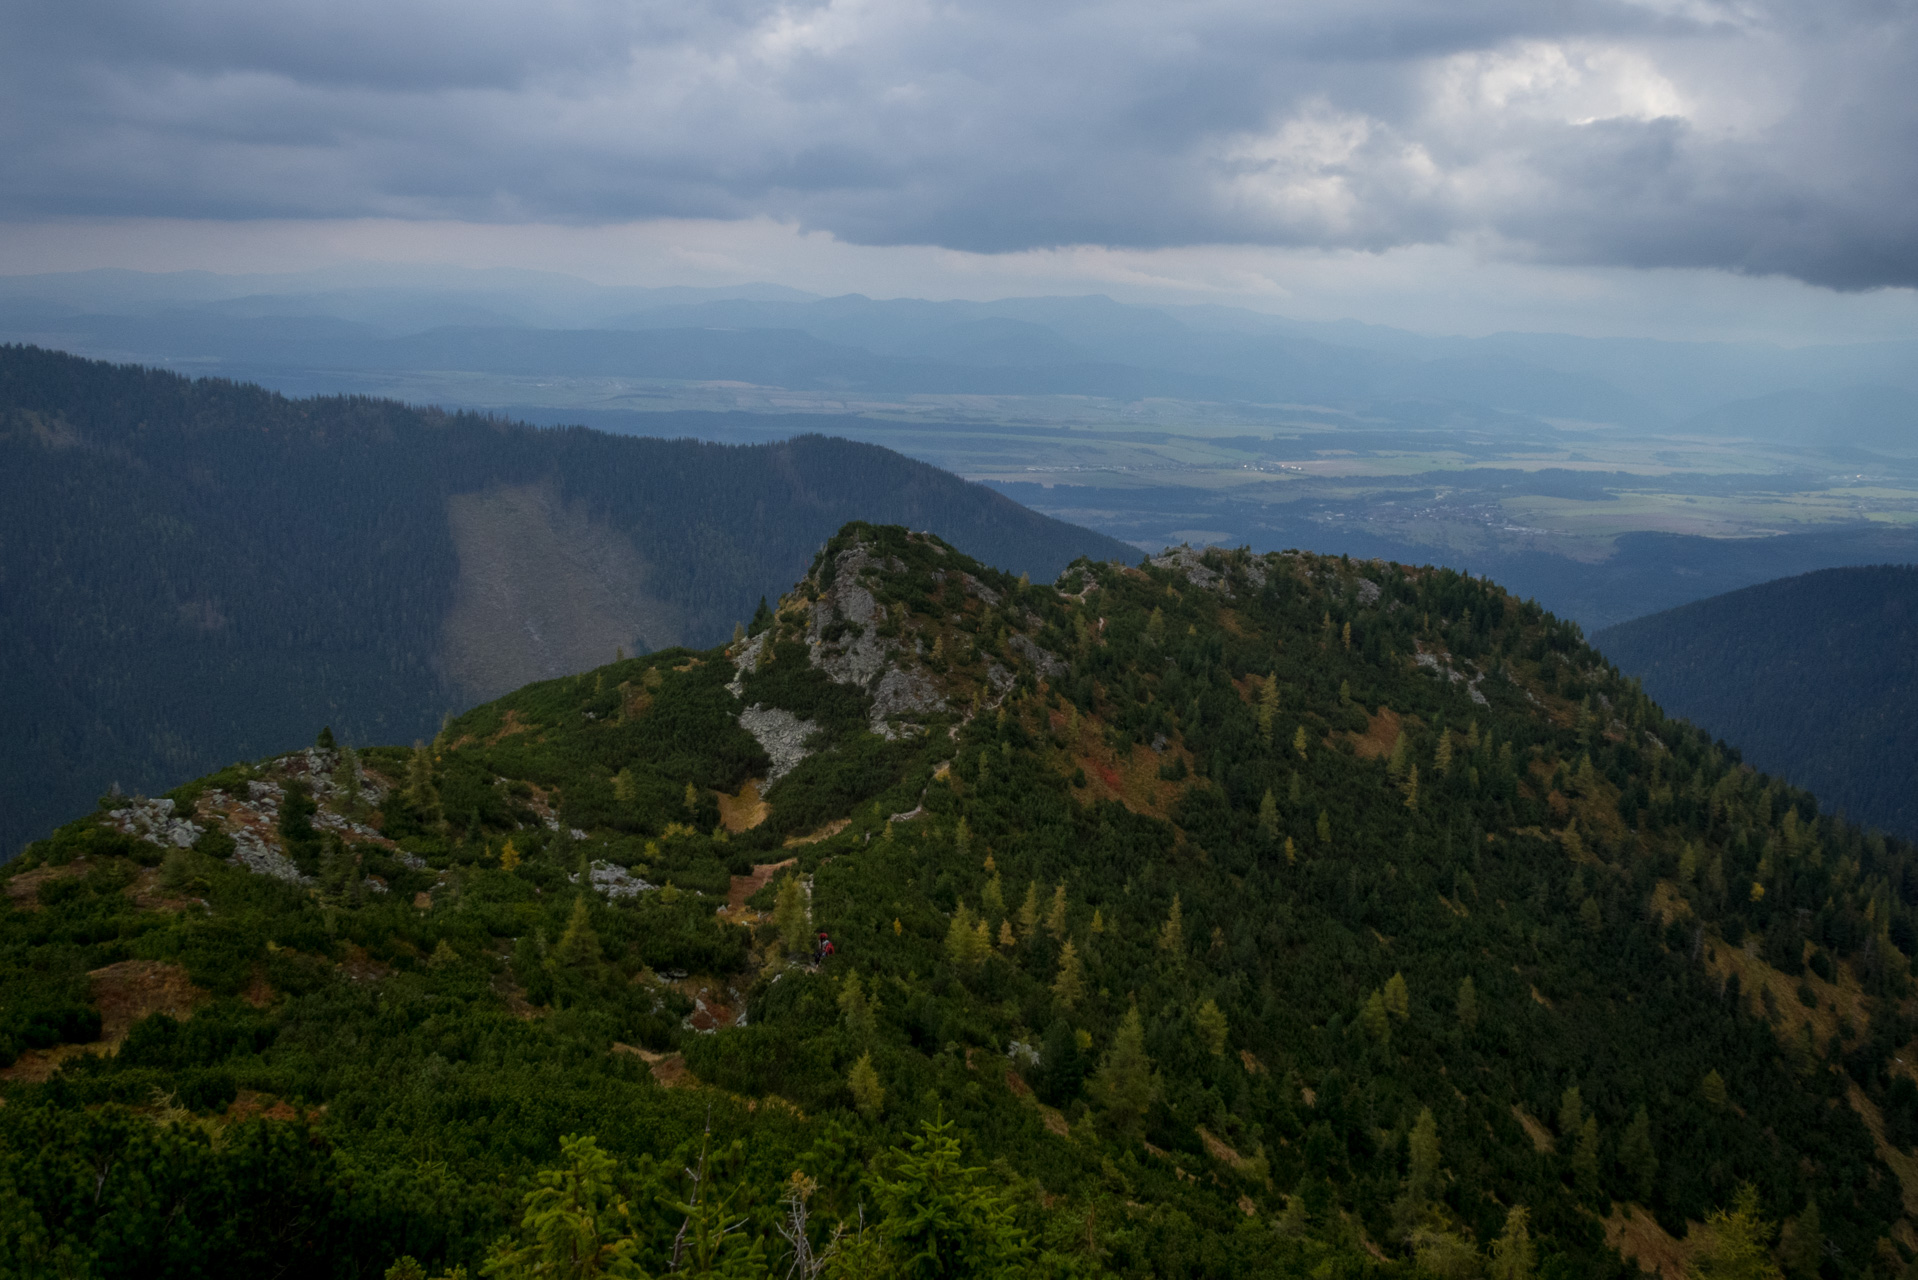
x=823 y=950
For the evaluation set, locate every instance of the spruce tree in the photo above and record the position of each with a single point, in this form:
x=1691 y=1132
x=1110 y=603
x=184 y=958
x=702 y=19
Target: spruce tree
x=1467 y=1003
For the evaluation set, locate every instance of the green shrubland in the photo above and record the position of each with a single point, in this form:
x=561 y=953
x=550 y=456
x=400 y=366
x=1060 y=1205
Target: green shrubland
x=1388 y=978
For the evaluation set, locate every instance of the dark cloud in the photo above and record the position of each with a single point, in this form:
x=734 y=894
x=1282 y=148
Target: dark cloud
x=1750 y=136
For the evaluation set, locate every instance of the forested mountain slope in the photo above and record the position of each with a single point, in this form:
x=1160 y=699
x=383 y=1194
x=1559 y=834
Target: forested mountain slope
x=1231 y=916
x=1814 y=678
x=197 y=571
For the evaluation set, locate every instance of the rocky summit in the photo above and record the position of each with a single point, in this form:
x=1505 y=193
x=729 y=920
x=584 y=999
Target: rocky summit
x=1227 y=915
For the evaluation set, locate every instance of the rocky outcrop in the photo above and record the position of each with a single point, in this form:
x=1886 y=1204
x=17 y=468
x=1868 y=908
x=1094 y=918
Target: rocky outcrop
x=781 y=734
x=155 y=822
x=843 y=638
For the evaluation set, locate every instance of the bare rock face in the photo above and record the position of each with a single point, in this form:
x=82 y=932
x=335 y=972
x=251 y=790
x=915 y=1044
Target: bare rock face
x=843 y=637
x=155 y=822
x=781 y=734
x=1191 y=564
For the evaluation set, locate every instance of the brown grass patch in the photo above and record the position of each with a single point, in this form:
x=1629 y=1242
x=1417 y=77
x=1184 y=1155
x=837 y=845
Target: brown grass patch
x=24 y=889
x=1053 y=1120
x=128 y=991
x=1668 y=904
x=1899 y=1162
x=124 y=993
x=744 y=811
x=1132 y=778
x=1636 y=1235
x=744 y=887
x=1755 y=976
x=1217 y=1148
x=1381 y=733
x=1541 y=1136
x=148 y=895
x=826 y=832
x=261 y=1106
x=512 y=726
x=669 y=1069
x=1017 y=1083
x=360 y=967
x=1253 y=1067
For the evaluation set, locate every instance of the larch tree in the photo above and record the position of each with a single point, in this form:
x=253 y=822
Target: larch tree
x=579 y=945
x=992 y=899
x=1739 y=1243
x=856 y=1009
x=1268 y=817
x=1211 y=1025
x=792 y=916
x=1422 y=1159
x=1376 y=1021
x=1268 y=705
x=1056 y=914
x=1172 y=932
x=1636 y=1156
x=1514 y=1256
x=1125 y=1085
x=1070 y=986
x=1585 y=1159
x=1398 y=1000
x=1029 y=913
x=868 y=1094
x=1571 y=1112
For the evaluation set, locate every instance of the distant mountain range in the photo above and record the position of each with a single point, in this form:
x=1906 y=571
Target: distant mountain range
x=506 y=322
x=1814 y=678
x=199 y=571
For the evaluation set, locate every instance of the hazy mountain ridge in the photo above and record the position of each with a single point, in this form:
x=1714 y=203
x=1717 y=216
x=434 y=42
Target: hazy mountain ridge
x=198 y=570
x=1813 y=678
x=1086 y=345
x=1243 y=916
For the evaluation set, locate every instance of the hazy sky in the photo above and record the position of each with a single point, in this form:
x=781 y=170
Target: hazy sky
x=1675 y=165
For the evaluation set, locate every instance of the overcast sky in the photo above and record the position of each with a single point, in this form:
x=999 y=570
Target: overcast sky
x=1696 y=164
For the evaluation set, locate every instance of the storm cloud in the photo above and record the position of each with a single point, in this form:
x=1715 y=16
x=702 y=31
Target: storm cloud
x=1757 y=137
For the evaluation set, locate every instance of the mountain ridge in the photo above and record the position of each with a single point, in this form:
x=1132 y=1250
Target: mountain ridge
x=1235 y=915
x=198 y=569
x=1812 y=677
